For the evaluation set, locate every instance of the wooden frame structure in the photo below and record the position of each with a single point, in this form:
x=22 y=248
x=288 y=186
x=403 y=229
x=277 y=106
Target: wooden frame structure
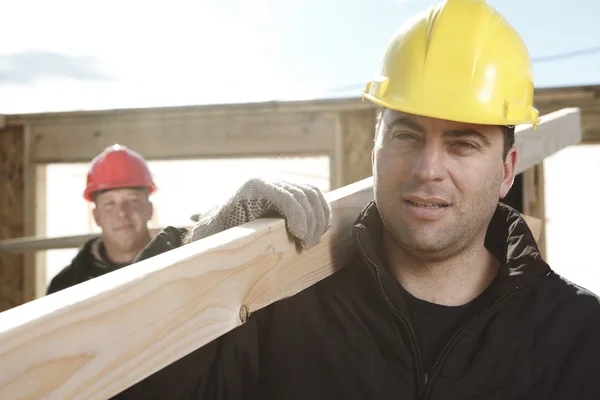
x=339 y=128
x=150 y=314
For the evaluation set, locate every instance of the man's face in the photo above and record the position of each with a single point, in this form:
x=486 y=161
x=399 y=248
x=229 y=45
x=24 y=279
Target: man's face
x=123 y=215
x=437 y=183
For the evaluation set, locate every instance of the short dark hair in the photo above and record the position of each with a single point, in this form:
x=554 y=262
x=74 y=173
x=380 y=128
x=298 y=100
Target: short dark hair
x=509 y=139
x=138 y=188
x=507 y=131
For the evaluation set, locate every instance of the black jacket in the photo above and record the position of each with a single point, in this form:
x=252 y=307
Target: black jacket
x=90 y=262
x=530 y=335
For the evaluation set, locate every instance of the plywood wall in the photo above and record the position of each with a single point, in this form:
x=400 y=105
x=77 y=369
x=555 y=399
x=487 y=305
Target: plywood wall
x=357 y=129
x=12 y=222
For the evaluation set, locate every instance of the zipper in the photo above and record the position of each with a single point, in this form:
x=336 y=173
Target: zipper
x=426 y=379
x=422 y=376
x=433 y=372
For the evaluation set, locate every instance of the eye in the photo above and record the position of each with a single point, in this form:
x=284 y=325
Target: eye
x=405 y=136
x=466 y=145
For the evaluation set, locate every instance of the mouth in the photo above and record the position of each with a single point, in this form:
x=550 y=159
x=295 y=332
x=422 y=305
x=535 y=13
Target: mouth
x=420 y=201
x=426 y=204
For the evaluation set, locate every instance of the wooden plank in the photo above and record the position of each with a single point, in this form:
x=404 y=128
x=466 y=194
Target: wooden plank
x=187 y=136
x=154 y=312
x=256 y=129
x=196 y=111
x=38 y=243
x=161 y=309
x=557 y=131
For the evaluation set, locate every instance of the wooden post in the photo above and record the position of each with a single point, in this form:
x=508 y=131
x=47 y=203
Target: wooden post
x=34 y=284
x=12 y=215
x=534 y=200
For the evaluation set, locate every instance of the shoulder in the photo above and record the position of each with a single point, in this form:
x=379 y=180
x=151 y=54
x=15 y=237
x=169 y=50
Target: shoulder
x=346 y=289
x=72 y=273
x=573 y=295
x=562 y=288
x=566 y=308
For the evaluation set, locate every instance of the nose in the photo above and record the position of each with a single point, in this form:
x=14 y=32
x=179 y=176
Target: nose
x=428 y=164
x=122 y=209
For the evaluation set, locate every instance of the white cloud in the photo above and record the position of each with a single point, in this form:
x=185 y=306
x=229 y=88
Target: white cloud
x=186 y=52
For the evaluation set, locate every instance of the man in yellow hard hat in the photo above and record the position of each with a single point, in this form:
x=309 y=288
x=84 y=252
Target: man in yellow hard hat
x=448 y=296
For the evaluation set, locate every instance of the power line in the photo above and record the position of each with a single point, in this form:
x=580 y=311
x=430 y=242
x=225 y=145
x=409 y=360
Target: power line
x=543 y=59
x=565 y=56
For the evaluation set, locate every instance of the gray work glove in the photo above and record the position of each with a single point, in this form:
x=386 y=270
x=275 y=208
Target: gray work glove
x=302 y=206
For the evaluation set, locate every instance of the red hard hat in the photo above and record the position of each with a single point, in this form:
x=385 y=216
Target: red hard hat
x=117 y=167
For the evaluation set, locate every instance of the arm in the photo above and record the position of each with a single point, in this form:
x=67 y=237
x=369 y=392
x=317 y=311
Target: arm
x=228 y=368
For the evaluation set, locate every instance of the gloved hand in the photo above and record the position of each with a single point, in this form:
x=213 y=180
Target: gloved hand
x=302 y=206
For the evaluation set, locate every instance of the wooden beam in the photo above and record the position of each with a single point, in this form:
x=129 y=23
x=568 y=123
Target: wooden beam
x=234 y=130
x=557 y=131
x=152 y=313
x=259 y=134
x=161 y=309
x=35 y=243
x=231 y=130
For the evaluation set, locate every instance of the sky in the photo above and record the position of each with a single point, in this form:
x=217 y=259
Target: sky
x=67 y=55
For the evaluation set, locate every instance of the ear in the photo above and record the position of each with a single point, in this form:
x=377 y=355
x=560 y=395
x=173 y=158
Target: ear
x=95 y=213
x=151 y=213
x=510 y=166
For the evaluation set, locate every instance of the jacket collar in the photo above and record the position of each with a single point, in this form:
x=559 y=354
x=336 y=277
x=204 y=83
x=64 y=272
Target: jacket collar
x=508 y=238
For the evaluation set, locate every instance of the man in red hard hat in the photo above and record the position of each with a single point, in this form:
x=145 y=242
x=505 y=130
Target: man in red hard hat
x=119 y=183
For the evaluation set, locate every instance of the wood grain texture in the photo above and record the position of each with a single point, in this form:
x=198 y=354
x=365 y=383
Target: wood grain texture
x=148 y=315
x=187 y=136
x=35 y=243
x=97 y=338
x=555 y=132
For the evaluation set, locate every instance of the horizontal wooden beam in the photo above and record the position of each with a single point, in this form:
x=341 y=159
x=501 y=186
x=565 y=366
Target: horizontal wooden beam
x=187 y=136
x=34 y=243
x=234 y=130
x=97 y=338
x=556 y=131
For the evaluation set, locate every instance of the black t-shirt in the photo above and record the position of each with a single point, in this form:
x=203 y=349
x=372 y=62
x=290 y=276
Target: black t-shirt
x=434 y=325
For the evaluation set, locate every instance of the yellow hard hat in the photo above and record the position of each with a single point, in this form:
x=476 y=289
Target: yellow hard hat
x=460 y=61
